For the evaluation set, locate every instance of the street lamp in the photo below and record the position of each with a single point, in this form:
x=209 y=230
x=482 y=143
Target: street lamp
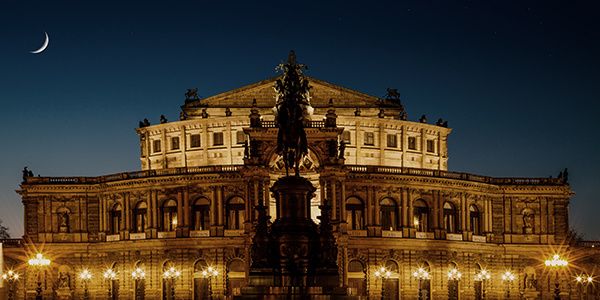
x=10 y=277
x=172 y=274
x=85 y=277
x=138 y=275
x=421 y=275
x=508 y=277
x=584 y=280
x=384 y=274
x=555 y=264
x=483 y=276
x=210 y=273
x=109 y=276
x=454 y=276
x=39 y=262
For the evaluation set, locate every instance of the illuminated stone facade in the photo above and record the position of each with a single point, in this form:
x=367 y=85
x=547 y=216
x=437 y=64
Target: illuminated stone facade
x=394 y=205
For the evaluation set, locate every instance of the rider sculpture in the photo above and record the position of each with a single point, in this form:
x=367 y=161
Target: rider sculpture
x=292 y=110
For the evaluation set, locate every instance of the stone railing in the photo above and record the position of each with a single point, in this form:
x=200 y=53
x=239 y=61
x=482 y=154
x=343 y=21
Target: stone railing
x=351 y=168
x=11 y=241
x=453 y=175
x=311 y=124
x=589 y=244
x=133 y=175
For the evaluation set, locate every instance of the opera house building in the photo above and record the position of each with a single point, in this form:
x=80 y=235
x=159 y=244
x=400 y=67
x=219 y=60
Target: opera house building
x=405 y=227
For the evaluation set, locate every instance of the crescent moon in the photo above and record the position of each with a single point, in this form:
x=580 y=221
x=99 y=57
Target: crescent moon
x=43 y=46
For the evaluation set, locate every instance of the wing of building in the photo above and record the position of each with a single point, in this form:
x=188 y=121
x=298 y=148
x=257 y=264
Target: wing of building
x=394 y=205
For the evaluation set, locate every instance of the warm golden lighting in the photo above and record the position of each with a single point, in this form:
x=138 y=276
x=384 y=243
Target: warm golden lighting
x=484 y=275
x=508 y=276
x=454 y=274
x=383 y=273
x=211 y=272
x=138 y=274
x=39 y=261
x=421 y=274
x=585 y=279
x=172 y=273
x=556 y=262
x=174 y=221
x=109 y=274
x=10 y=275
x=85 y=275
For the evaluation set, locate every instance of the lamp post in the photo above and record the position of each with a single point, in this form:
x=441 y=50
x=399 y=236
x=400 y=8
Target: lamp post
x=483 y=276
x=584 y=280
x=384 y=274
x=138 y=275
x=453 y=277
x=421 y=275
x=85 y=277
x=210 y=273
x=556 y=264
x=109 y=276
x=38 y=262
x=10 y=276
x=508 y=277
x=172 y=274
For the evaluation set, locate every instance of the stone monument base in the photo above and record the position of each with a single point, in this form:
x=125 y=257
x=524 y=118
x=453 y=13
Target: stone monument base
x=64 y=294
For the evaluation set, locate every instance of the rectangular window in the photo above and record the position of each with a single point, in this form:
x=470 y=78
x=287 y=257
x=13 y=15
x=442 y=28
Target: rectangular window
x=346 y=137
x=412 y=143
x=430 y=146
x=156 y=146
x=218 y=138
x=240 y=137
x=391 y=140
x=369 y=138
x=194 y=141
x=174 y=143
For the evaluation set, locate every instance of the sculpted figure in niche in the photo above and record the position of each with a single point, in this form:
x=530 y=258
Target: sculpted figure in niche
x=63 y=280
x=527 y=219
x=63 y=225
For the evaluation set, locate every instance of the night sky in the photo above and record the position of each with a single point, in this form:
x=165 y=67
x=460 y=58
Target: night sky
x=518 y=81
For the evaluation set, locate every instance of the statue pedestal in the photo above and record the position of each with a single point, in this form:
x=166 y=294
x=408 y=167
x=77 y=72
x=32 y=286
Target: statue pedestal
x=531 y=294
x=295 y=260
x=64 y=294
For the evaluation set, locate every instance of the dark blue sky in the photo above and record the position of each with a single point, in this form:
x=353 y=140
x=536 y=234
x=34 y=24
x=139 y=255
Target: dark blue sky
x=518 y=81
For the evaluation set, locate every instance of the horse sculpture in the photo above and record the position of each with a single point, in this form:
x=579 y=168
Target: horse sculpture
x=291 y=111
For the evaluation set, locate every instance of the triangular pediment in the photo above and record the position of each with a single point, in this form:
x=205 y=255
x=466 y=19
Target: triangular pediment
x=321 y=92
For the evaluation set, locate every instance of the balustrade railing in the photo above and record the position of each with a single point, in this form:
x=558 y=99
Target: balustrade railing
x=351 y=168
x=452 y=175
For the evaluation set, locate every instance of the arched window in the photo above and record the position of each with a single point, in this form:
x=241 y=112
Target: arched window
x=115 y=219
x=355 y=214
x=424 y=284
x=389 y=215
x=140 y=216
x=169 y=215
x=236 y=277
x=392 y=283
x=475 y=220
x=449 y=217
x=421 y=215
x=235 y=213
x=453 y=283
x=167 y=283
x=201 y=214
x=200 y=282
x=140 y=285
x=478 y=284
x=114 y=282
x=356 y=278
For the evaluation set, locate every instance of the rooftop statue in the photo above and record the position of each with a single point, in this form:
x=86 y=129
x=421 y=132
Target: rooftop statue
x=393 y=95
x=192 y=94
x=292 y=109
